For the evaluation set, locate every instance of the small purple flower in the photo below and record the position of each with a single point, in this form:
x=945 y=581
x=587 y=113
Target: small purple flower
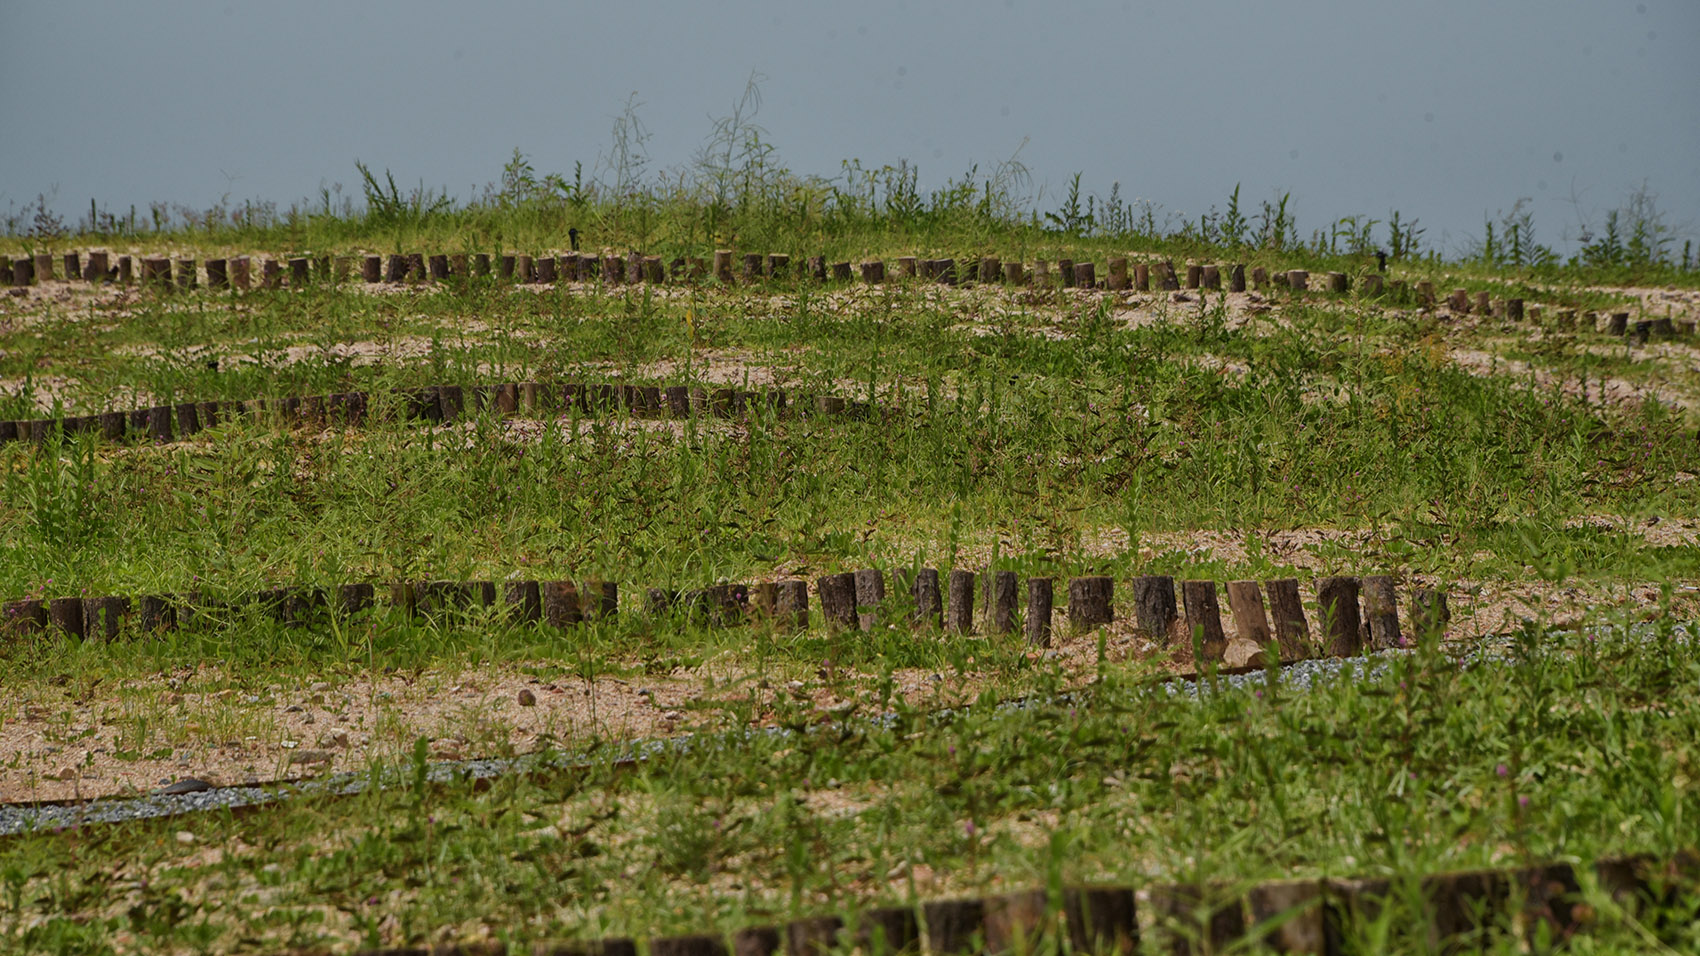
x=1503 y=771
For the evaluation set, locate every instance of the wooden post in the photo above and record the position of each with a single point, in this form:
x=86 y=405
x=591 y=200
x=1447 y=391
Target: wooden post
x=1429 y=613
x=1514 y=310
x=634 y=267
x=1291 y=628
x=1041 y=274
x=1245 y=600
x=1003 y=602
x=959 y=608
x=653 y=273
x=5 y=269
x=613 y=270
x=73 y=266
x=1166 y=270
x=416 y=266
x=1618 y=324
x=28 y=616
x=1342 y=625
x=723 y=265
x=837 y=593
x=1091 y=602
x=561 y=607
x=372 y=268
x=991 y=270
x=1154 y=607
x=439 y=266
x=1211 y=278
x=841 y=271
x=929 y=602
x=1339 y=283
x=1039 y=612
x=96 y=271
x=43 y=266
x=186 y=274
x=792 y=605
x=870 y=595
x=524 y=274
x=1012 y=273
x=188 y=419
x=1086 y=275
x=1194 y=275
x=396 y=270
x=953 y=925
x=159 y=423
x=1065 y=273
x=218 y=275
x=753 y=266
x=1259 y=278
x=1372 y=284
x=23 y=271
x=1117 y=280
x=481 y=264
x=1204 y=620
x=1381 y=612
x=298 y=273
x=1298 y=280
x=778 y=265
x=817 y=268
x=906 y=267
x=66 y=614
x=873 y=271
x=946 y=272
x=1142 y=277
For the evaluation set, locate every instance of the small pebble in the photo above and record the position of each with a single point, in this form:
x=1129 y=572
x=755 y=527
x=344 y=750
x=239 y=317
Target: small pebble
x=527 y=698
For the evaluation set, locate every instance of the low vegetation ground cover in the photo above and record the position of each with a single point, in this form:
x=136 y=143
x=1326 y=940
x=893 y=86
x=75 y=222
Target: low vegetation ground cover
x=1534 y=472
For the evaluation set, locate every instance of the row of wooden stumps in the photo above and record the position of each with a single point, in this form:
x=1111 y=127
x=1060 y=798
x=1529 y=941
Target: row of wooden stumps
x=1357 y=613
x=1460 y=911
x=440 y=403
x=302 y=271
x=555 y=603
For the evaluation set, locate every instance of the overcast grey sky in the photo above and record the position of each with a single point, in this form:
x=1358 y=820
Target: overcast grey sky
x=1448 y=111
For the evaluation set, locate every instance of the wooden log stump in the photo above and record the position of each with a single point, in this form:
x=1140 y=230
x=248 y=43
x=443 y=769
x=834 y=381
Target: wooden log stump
x=870 y=597
x=1204 y=621
x=188 y=419
x=655 y=275
x=1085 y=275
x=1002 y=602
x=1038 y=621
x=1372 y=284
x=96 y=270
x=1342 y=624
x=1194 y=275
x=298 y=277
x=372 y=268
x=906 y=267
x=873 y=271
x=723 y=265
x=416 y=267
x=929 y=601
x=1012 y=273
x=1292 y=631
x=817 y=268
x=562 y=607
x=1251 y=622
x=698 y=945
x=953 y=925
x=1155 y=610
x=103 y=617
x=113 y=425
x=73 y=266
x=946 y=272
x=1211 y=278
x=522 y=601
x=1142 y=277
x=1101 y=919
x=1618 y=324
x=1429 y=613
x=1259 y=278
x=525 y=271
x=43 y=266
x=439 y=267
x=157 y=613
x=959 y=605
x=837 y=594
x=888 y=929
x=1459 y=301
x=634 y=267
x=753 y=266
x=23 y=272
x=1339 y=283
x=218 y=275
x=1514 y=310
x=991 y=270
x=1091 y=602
x=791 y=605
x=1381 y=612
x=1042 y=274
x=1065 y=273
x=1236 y=278
x=813 y=936
x=1298 y=280
x=779 y=265
x=186 y=275
x=1195 y=918
x=19 y=618
x=159 y=423
x=66 y=614
x=1166 y=273
x=841 y=272
x=1117 y=279
x=1018 y=922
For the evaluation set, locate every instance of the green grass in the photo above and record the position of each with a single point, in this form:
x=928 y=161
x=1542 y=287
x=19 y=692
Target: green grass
x=1042 y=433
x=1584 y=749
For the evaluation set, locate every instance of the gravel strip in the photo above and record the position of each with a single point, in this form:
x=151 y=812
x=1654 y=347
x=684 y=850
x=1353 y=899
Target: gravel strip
x=1298 y=675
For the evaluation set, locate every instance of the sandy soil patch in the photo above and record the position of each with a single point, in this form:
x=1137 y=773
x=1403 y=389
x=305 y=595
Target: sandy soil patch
x=1607 y=390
